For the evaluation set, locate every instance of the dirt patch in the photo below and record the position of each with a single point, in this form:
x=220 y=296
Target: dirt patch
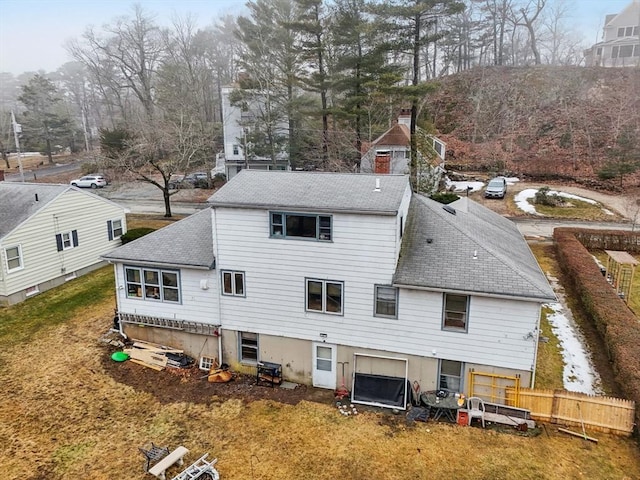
x=190 y=385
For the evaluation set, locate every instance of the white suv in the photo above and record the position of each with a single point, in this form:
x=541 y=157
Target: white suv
x=90 y=181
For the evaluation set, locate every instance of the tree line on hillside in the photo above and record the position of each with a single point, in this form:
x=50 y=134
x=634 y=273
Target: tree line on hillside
x=334 y=72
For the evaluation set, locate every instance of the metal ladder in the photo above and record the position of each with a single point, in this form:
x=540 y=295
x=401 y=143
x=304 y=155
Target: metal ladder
x=196 y=469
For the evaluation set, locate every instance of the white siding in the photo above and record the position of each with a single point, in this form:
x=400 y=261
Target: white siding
x=196 y=304
x=73 y=210
x=362 y=254
x=497 y=330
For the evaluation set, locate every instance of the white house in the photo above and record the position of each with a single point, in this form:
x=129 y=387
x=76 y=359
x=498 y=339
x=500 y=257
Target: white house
x=50 y=234
x=391 y=153
x=620 y=45
x=236 y=125
x=320 y=271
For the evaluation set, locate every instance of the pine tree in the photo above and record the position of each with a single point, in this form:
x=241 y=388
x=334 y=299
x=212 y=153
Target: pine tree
x=43 y=121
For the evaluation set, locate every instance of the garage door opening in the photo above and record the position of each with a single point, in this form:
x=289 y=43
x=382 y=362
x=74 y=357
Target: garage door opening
x=380 y=381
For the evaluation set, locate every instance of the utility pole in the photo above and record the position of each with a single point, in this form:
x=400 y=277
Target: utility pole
x=17 y=129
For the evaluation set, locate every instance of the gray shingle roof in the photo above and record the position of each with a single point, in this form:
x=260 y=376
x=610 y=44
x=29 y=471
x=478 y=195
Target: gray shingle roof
x=312 y=191
x=18 y=202
x=504 y=264
x=188 y=242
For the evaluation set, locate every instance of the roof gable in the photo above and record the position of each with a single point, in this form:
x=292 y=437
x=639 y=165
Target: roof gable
x=313 y=192
x=474 y=251
x=396 y=135
x=20 y=201
x=627 y=17
x=188 y=243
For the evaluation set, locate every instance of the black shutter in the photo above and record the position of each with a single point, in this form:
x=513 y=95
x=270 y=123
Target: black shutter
x=74 y=235
x=110 y=229
x=59 y=242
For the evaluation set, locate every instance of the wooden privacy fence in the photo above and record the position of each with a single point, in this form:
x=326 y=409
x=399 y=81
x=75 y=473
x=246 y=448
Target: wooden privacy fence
x=602 y=414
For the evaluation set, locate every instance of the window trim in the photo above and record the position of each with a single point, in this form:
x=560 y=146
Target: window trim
x=241 y=345
x=19 y=257
x=233 y=274
x=283 y=225
x=375 y=301
x=324 y=296
x=112 y=230
x=67 y=240
x=451 y=328
x=460 y=377
x=160 y=286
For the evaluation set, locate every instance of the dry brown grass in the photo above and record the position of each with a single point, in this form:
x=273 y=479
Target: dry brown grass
x=63 y=417
x=150 y=221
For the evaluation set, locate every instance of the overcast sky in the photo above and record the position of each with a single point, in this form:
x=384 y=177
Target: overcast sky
x=33 y=32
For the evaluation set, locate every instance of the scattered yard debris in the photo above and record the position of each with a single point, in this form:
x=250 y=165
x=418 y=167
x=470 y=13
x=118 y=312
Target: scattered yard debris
x=153 y=454
x=346 y=410
x=220 y=374
x=119 y=356
x=578 y=434
x=342 y=390
x=418 y=414
x=200 y=469
x=157 y=357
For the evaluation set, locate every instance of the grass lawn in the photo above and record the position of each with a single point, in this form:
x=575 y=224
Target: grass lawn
x=63 y=417
x=576 y=209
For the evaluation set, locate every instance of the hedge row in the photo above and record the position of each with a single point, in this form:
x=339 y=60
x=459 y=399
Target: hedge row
x=609 y=240
x=616 y=323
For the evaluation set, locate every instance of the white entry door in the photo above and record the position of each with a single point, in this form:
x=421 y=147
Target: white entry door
x=324 y=365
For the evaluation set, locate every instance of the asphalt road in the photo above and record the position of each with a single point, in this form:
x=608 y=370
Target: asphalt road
x=137 y=201
x=32 y=175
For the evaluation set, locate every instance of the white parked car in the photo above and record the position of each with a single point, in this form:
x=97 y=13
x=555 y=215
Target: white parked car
x=90 y=181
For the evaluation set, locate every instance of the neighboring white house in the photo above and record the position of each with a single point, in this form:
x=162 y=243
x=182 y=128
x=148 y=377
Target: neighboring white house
x=237 y=122
x=391 y=153
x=316 y=271
x=620 y=45
x=50 y=234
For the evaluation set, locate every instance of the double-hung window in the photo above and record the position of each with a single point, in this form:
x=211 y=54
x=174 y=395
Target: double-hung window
x=248 y=347
x=152 y=284
x=456 y=308
x=325 y=296
x=386 y=301
x=299 y=225
x=67 y=240
x=114 y=229
x=233 y=283
x=13 y=257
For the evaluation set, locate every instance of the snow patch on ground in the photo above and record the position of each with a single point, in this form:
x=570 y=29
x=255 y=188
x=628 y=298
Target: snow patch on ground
x=579 y=374
x=462 y=186
x=522 y=200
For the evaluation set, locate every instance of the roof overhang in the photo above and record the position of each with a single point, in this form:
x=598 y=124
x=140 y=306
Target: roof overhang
x=143 y=263
x=478 y=293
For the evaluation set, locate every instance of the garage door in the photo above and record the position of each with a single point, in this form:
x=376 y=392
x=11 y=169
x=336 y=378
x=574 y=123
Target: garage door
x=380 y=381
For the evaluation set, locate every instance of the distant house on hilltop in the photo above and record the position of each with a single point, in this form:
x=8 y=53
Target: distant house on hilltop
x=620 y=46
x=50 y=234
x=239 y=122
x=390 y=153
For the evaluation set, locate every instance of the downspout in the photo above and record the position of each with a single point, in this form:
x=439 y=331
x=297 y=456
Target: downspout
x=215 y=239
x=535 y=349
x=115 y=274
